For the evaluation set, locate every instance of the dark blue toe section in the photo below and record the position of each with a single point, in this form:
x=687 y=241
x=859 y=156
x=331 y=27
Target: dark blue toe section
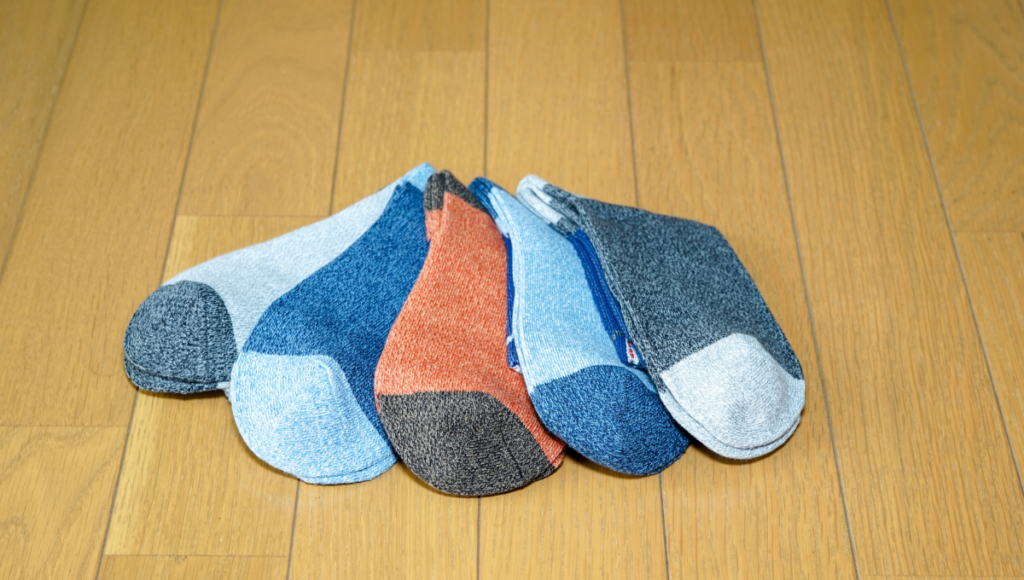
x=608 y=415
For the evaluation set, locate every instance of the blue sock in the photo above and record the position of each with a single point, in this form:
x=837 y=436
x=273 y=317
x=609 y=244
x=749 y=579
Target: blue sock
x=582 y=391
x=302 y=387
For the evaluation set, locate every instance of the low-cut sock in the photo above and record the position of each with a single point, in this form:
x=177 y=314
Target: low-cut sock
x=185 y=337
x=455 y=412
x=607 y=411
x=697 y=318
x=559 y=203
x=302 y=387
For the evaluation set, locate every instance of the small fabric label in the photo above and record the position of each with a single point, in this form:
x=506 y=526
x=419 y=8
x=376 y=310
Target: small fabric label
x=631 y=355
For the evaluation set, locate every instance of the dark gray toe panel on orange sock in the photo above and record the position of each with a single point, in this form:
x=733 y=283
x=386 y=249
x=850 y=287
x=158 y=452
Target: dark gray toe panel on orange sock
x=478 y=436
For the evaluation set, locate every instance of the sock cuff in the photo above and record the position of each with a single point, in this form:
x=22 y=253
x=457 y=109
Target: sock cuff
x=481 y=189
x=444 y=182
x=547 y=202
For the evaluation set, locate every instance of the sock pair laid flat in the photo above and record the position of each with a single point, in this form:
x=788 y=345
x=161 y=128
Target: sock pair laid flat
x=292 y=330
x=675 y=290
x=458 y=416
x=584 y=394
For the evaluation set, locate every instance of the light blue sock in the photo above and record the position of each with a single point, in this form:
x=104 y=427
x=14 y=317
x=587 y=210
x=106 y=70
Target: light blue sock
x=302 y=387
x=584 y=394
x=186 y=336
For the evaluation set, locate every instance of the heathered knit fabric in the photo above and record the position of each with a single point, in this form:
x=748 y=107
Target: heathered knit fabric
x=720 y=361
x=455 y=412
x=186 y=336
x=604 y=409
x=302 y=387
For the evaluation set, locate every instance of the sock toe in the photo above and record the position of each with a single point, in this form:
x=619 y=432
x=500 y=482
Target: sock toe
x=702 y=435
x=463 y=443
x=158 y=384
x=298 y=413
x=609 y=416
x=736 y=391
x=364 y=474
x=180 y=340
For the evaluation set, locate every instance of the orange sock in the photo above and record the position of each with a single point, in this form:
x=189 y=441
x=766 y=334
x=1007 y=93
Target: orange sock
x=455 y=412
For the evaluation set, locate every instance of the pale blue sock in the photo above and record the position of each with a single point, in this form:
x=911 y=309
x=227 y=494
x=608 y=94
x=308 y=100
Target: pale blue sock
x=583 y=393
x=186 y=336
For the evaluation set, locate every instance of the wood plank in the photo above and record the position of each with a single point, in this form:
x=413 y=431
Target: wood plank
x=189 y=484
x=994 y=268
x=268 y=126
x=966 y=60
x=94 y=233
x=56 y=486
x=188 y=567
x=35 y=44
x=404 y=109
x=557 y=100
x=930 y=484
x=558 y=107
x=415 y=93
x=392 y=527
x=420 y=26
x=691 y=31
x=943 y=577
x=583 y=521
x=707 y=150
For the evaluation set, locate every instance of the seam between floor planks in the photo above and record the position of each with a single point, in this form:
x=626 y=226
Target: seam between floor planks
x=9 y=248
x=807 y=296
x=163 y=272
x=952 y=236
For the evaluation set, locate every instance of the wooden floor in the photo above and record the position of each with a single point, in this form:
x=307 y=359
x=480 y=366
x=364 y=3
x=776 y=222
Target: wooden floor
x=864 y=157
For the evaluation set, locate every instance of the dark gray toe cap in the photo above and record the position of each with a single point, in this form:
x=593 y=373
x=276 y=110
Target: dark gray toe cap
x=463 y=442
x=180 y=340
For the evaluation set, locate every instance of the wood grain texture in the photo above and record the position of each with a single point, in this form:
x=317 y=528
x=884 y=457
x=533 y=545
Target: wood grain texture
x=966 y=60
x=557 y=97
x=404 y=109
x=415 y=94
x=942 y=577
x=189 y=484
x=56 y=486
x=188 y=567
x=581 y=522
x=268 y=125
x=914 y=416
x=706 y=149
x=558 y=107
x=420 y=26
x=691 y=31
x=35 y=45
x=95 y=227
x=931 y=486
x=392 y=527
x=994 y=268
